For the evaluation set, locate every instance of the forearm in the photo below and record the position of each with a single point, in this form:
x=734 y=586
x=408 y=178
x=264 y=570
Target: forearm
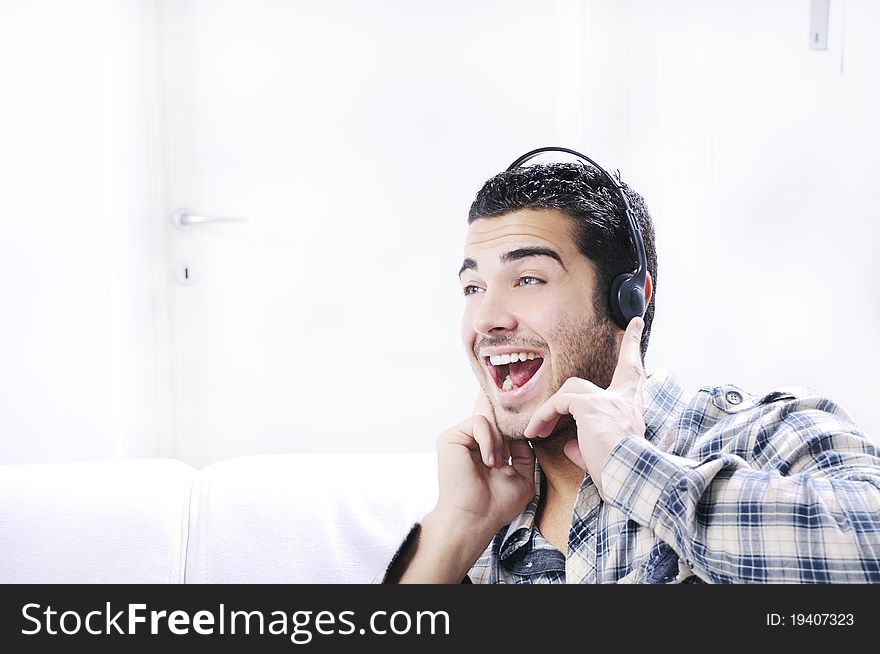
x=441 y=552
x=731 y=522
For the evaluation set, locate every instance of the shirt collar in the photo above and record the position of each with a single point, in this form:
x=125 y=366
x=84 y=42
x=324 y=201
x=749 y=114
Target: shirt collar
x=519 y=531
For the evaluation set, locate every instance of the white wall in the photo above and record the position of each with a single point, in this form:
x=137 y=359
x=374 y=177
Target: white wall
x=78 y=355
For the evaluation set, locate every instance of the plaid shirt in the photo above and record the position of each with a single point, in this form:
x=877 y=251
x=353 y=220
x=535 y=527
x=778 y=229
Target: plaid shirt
x=724 y=487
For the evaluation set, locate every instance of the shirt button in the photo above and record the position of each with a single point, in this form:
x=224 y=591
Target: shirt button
x=733 y=397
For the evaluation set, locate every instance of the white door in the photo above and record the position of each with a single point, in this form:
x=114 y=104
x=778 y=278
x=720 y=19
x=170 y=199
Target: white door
x=352 y=136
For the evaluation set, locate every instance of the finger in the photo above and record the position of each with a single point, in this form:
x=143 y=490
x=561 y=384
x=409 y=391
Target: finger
x=543 y=425
x=578 y=385
x=482 y=407
x=522 y=458
x=541 y=428
x=629 y=360
x=573 y=452
x=547 y=415
x=485 y=437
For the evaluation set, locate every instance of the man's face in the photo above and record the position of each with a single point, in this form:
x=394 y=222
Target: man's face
x=529 y=291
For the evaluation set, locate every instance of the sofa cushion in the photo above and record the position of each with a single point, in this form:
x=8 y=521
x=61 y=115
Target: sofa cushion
x=305 y=518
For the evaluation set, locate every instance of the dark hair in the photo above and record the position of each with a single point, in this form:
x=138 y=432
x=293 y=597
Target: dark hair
x=600 y=227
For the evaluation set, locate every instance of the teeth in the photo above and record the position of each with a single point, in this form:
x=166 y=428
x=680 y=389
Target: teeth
x=502 y=359
x=507 y=385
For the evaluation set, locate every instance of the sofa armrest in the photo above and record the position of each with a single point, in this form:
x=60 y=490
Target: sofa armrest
x=121 y=521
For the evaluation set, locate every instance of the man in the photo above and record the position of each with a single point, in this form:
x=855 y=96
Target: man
x=577 y=467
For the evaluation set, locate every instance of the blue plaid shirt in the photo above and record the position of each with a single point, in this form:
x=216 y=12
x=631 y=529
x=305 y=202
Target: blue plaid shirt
x=723 y=487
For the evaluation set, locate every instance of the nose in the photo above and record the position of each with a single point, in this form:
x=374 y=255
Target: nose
x=493 y=315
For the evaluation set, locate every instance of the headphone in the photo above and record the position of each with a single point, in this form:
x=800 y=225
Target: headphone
x=627 y=298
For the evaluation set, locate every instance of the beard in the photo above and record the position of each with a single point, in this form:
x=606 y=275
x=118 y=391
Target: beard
x=585 y=351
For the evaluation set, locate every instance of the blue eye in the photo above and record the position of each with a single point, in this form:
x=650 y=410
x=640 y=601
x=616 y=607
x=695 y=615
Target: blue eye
x=529 y=281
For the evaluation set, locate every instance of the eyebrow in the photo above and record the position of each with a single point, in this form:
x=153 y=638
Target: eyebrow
x=516 y=255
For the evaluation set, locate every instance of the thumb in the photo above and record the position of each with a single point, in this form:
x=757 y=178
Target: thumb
x=522 y=458
x=573 y=452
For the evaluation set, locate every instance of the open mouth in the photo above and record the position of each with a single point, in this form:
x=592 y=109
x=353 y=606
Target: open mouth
x=514 y=370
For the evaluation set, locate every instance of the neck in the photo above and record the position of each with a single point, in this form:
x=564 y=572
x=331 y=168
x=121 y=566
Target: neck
x=562 y=480
x=563 y=477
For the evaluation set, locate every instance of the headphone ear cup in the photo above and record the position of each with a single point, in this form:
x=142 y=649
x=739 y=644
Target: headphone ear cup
x=627 y=300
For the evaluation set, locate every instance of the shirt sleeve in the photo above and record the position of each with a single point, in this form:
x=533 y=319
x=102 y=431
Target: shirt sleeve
x=799 y=504
x=400 y=555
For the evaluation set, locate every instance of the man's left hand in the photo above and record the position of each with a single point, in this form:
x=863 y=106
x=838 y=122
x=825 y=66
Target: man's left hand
x=604 y=417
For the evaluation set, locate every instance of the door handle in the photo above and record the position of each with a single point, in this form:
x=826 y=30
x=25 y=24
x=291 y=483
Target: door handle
x=185 y=219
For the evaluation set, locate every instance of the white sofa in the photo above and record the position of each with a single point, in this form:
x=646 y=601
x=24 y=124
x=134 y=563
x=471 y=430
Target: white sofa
x=284 y=518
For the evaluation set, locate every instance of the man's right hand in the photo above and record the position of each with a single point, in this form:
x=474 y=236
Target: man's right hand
x=479 y=492
x=477 y=484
